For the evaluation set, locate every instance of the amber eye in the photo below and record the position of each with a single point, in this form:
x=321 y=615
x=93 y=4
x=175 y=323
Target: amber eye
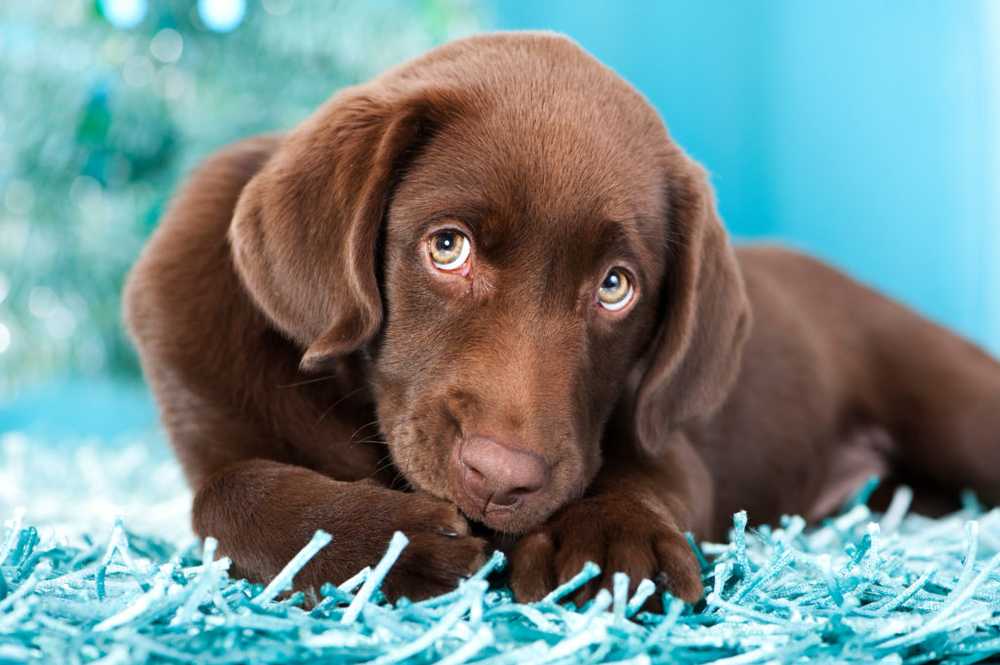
x=449 y=249
x=616 y=291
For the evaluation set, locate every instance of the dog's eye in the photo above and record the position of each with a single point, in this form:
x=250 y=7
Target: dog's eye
x=616 y=291
x=449 y=249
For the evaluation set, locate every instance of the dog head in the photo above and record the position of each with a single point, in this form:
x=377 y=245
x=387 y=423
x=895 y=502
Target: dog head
x=504 y=228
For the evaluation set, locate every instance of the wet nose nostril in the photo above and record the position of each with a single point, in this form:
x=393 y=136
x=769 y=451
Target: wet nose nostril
x=503 y=500
x=511 y=497
x=474 y=481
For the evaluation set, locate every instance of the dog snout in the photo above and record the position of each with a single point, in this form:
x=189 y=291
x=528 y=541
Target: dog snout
x=499 y=475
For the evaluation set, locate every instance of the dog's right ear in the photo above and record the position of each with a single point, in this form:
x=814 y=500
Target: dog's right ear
x=305 y=231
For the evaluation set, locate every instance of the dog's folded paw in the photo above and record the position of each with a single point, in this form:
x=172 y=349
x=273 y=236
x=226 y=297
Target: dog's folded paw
x=618 y=534
x=441 y=552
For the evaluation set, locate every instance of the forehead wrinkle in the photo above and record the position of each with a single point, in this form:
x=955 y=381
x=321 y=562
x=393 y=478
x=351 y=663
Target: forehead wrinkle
x=562 y=157
x=419 y=204
x=609 y=243
x=641 y=240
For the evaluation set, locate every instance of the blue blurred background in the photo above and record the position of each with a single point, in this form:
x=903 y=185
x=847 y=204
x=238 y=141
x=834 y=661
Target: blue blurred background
x=867 y=133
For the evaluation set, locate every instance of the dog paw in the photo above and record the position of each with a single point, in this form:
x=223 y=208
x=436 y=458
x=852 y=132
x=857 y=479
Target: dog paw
x=618 y=534
x=441 y=552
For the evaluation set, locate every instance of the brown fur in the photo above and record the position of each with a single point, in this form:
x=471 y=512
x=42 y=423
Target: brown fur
x=313 y=370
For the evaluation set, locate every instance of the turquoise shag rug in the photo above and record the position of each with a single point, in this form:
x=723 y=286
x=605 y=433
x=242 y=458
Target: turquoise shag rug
x=891 y=588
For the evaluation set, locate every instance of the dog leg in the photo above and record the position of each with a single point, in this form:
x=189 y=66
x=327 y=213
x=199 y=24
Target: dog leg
x=632 y=520
x=939 y=396
x=263 y=512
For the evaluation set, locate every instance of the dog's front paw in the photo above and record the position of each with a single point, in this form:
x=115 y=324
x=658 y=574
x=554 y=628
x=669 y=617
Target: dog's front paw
x=619 y=534
x=441 y=551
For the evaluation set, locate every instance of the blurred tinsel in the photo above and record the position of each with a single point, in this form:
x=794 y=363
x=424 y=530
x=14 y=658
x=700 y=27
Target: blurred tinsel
x=106 y=104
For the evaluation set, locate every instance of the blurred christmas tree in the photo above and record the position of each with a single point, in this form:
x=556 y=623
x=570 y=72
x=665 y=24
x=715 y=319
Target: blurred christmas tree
x=107 y=103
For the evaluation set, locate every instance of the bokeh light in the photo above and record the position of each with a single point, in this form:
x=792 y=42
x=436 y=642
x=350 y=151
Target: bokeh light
x=222 y=15
x=4 y=338
x=124 y=14
x=167 y=45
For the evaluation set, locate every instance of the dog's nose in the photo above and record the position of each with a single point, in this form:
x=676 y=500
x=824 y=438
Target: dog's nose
x=500 y=475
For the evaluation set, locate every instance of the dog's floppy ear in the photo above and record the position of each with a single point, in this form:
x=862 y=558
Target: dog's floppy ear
x=305 y=231
x=704 y=314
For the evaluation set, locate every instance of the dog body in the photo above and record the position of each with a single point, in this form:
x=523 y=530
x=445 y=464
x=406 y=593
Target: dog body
x=487 y=286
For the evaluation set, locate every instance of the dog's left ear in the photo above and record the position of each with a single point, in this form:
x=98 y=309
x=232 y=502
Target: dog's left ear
x=704 y=315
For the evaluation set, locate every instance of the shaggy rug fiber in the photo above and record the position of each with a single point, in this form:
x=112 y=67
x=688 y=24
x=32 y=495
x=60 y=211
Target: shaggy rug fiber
x=78 y=585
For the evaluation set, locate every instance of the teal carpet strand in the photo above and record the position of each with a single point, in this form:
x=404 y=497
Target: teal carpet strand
x=891 y=588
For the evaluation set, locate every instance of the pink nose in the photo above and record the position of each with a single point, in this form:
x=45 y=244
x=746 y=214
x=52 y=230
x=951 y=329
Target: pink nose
x=500 y=476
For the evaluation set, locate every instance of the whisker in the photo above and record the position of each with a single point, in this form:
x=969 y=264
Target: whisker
x=304 y=382
x=383 y=464
x=333 y=406
x=359 y=430
x=368 y=442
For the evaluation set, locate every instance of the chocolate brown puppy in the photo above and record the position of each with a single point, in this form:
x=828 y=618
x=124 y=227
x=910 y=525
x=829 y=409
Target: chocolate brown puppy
x=488 y=287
